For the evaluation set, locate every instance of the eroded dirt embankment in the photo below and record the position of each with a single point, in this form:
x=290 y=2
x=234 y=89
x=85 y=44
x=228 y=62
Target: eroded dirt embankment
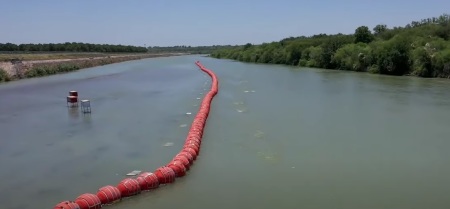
x=17 y=69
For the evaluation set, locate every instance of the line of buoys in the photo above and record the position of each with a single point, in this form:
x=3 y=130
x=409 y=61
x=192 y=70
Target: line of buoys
x=167 y=174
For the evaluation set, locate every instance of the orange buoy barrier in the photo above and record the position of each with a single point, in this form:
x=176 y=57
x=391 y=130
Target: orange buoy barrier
x=176 y=168
x=67 y=205
x=88 y=201
x=148 y=181
x=109 y=194
x=129 y=187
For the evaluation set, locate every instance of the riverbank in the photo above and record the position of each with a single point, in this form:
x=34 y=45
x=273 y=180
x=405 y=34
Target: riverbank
x=34 y=66
x=419 y=49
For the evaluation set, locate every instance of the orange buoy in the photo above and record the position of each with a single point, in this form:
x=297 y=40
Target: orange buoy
x=194 y=137
x=165 y=175
x=184 y=160
x=129 y=187
x=67 y=205
x=187 y=155
x=148 y=181
x=198 y=124
x=200 y=117
x=199 y=120
x=192 y=142
x=191 y=151
x=178 y=167
x=109 y=194
x=196 y=133
x=195 y=128
x=194 y=147
x=88 y=201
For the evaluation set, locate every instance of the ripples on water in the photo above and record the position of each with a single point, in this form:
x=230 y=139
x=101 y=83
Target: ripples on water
x=276 y=137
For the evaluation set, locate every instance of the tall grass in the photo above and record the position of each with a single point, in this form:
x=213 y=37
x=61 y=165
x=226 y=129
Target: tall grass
x=4 y=76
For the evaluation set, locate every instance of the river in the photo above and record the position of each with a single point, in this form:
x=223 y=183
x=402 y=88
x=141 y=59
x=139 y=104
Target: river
x=276 y=137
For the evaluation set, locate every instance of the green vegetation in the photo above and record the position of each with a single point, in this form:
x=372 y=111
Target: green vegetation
x=420 y=48
x=70 y=47
x=40 y=71
x=187 y=49
x=3 y=76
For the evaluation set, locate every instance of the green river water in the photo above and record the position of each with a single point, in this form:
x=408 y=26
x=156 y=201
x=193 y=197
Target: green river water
x=276 y=137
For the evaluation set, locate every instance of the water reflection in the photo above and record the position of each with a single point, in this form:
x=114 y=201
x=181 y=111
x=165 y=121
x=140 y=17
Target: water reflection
x=87 y=118
x=73 y=112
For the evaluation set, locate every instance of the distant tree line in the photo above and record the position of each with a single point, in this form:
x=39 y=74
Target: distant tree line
x=69 y=47
x=421 y=48
x=188 y=49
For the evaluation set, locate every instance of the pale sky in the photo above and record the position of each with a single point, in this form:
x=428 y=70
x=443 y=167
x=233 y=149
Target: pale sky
x=198 y=22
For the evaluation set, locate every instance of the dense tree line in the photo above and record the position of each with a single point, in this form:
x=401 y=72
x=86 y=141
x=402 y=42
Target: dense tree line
x=421 y=48
x=188 y=49
x=69 y=47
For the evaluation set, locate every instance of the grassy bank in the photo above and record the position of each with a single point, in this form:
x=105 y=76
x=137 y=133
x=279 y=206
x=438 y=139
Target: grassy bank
x=39 y=68
x=421 y=48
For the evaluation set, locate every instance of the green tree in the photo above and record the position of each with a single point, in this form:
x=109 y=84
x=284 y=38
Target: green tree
x=379 y=29
x=353 y=57
x=392 y=57
x=363 y=34
x=247 y=46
